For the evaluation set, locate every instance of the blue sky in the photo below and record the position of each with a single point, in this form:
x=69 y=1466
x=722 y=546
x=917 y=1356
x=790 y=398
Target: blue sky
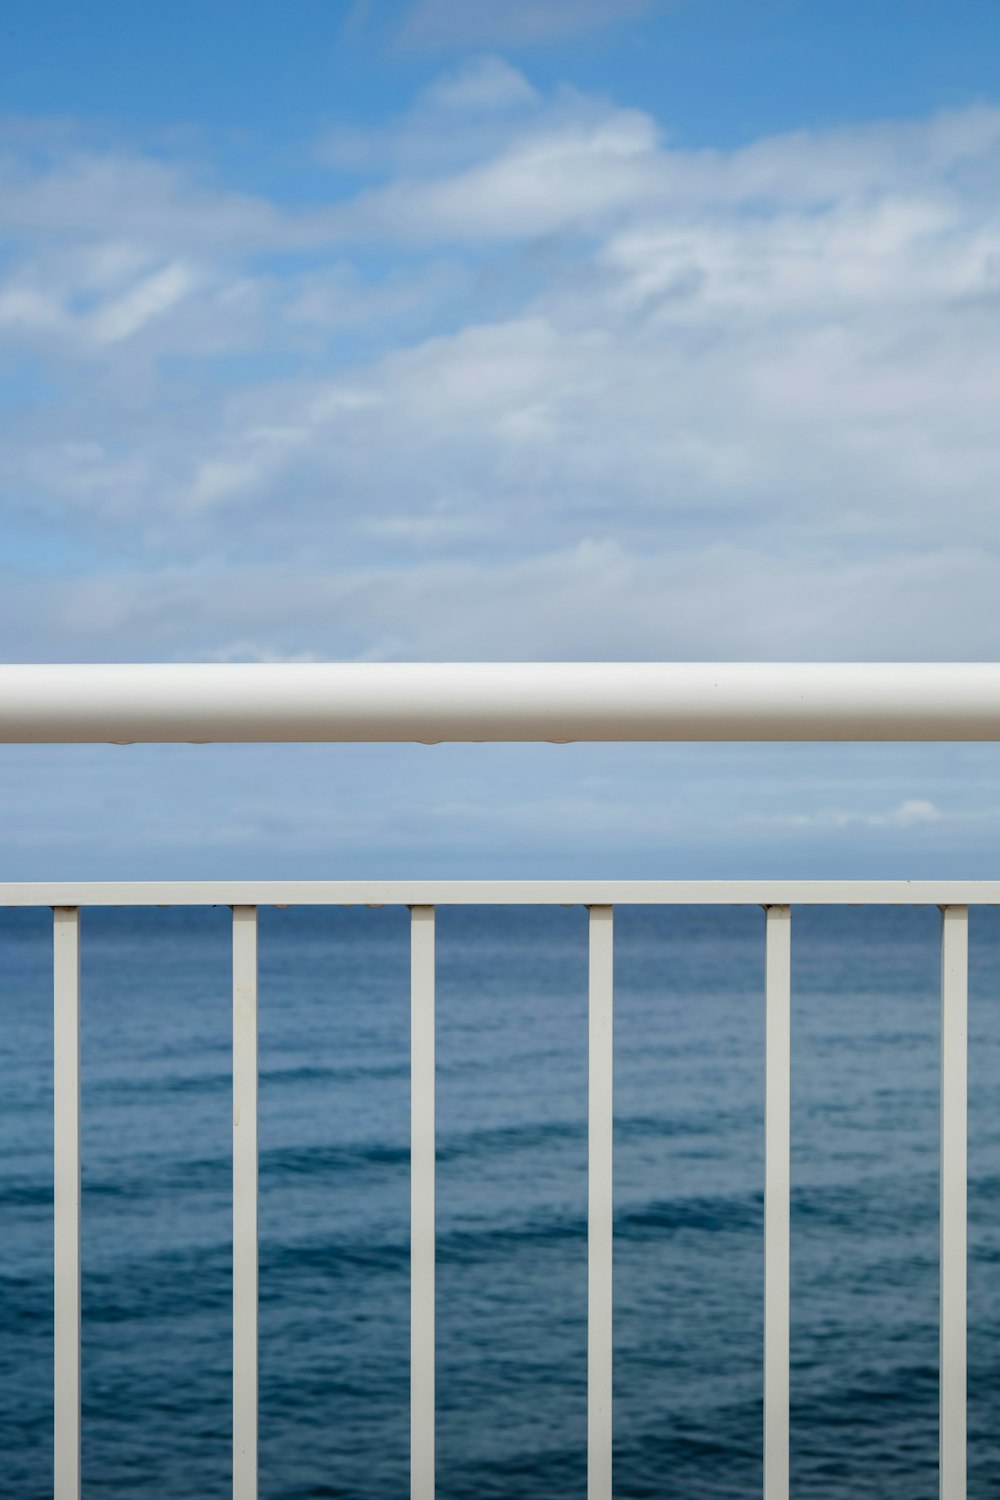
x=445 y=330
x=716 y=72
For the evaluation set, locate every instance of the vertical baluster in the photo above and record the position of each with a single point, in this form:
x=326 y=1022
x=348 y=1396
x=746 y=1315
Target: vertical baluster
x=422 y=1165
x=600 y=1128
x=777 y=1176
x=954 y=1112
x=66 y=1126
x=244 y=1203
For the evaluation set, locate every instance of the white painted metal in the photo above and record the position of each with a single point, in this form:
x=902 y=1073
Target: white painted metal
x=502 y=893
x=422 y=1199
x=66 y=1126
x=505 y=702
x=777 y=1177
x=600 y=1134
x=954 y=1112
x=954 y=898
x=244 y=1203
x=501 y=701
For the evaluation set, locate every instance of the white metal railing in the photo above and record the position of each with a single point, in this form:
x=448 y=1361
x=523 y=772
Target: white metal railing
x=506 y=701
x=778 y=900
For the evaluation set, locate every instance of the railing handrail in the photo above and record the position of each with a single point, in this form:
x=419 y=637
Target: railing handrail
x=431 y=702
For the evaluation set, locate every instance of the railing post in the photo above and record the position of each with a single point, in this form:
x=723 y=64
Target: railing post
x=777 y=1179
x=422 y=1197
x=244 y=1203
x=953 y=1230
x=66 y=1129
x=600 y=1128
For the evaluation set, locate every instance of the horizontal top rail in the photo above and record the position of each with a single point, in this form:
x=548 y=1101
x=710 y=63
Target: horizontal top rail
x=69 y=893
x=539 y=701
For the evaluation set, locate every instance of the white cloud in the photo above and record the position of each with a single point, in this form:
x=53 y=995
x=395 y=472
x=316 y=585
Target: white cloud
x=594 y=600
x=568 y=174
x=463 y=116
x=151 y=297
x=77 y=188
x=481 y=84
x=915 y=812
x=608 y=398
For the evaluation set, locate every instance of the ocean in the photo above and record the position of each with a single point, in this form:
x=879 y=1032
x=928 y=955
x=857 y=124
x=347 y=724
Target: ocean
x=512 y=1047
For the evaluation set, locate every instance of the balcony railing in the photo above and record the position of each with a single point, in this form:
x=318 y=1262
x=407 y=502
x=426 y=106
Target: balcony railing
x=40 y=704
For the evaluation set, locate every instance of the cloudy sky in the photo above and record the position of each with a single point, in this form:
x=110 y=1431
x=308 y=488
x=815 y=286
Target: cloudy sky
x=448 y=329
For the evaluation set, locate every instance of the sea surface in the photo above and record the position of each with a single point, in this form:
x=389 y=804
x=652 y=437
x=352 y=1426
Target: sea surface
x=334 y=1099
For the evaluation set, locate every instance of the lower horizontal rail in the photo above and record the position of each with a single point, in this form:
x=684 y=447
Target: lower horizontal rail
x=502 y=893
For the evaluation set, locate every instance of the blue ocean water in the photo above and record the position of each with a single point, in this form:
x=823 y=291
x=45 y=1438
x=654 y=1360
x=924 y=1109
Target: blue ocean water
x=334 y=1102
